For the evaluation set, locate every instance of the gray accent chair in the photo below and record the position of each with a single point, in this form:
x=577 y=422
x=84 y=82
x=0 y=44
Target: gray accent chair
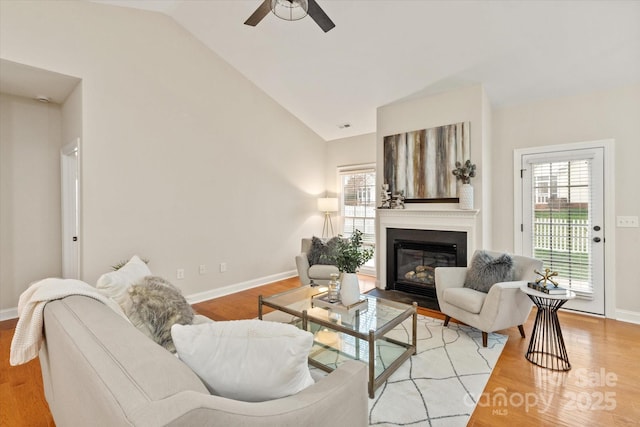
x=502 y=307
x=315 y=274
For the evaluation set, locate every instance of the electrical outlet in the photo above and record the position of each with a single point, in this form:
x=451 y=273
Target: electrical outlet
x=223 y=267
x=180 y=273
x=202 y=269
x=627 y=221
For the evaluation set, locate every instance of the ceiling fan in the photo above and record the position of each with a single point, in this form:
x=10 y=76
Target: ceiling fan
x=292 y=10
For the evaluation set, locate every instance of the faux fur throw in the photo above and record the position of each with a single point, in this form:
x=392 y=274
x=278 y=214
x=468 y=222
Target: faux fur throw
x=155 y=306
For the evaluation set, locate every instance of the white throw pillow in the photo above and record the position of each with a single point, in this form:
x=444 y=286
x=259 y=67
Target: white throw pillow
x=116 y=283
x=248 y=360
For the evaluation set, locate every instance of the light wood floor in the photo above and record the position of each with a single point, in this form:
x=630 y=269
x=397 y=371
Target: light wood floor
x=602 y=389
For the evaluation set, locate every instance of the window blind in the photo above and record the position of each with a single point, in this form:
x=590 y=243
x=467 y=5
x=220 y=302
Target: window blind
x=358 y=207
x=561 y=218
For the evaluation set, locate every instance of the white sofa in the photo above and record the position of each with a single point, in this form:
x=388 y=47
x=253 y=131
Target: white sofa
x=99 y=370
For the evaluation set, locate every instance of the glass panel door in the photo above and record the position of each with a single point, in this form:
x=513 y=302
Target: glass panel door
x=563 y=221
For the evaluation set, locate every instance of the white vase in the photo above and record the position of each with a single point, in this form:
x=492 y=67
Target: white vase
x=466 y=196
x=349 y=289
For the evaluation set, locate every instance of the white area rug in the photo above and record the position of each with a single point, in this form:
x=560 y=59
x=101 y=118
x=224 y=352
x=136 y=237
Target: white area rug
x=437 y=387
x=440 y=385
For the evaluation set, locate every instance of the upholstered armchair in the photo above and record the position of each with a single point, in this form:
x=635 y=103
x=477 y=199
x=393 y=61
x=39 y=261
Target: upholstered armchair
x=317 y=274
x=503 y=306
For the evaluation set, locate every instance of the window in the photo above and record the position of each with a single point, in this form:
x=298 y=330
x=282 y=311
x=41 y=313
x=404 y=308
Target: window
x=546 y=188
x=560 y=224
x=358 y=205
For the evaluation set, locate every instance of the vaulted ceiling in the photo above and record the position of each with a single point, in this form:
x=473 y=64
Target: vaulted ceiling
x=383 y=51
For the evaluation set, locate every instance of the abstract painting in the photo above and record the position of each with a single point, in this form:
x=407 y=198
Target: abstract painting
x=421 y=162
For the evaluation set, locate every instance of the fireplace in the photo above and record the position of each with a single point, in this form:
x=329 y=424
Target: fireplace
x=413 y=255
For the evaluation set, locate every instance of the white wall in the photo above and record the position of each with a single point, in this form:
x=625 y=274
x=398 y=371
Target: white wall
x=30 y=141
x=188 y=163
x=488 y=166
x=466 y=104
x=72 y=116
x=345 y=152
x=594 y=116
x=184 y=161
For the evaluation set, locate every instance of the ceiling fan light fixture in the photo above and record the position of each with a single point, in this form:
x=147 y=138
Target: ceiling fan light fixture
x=290 y=10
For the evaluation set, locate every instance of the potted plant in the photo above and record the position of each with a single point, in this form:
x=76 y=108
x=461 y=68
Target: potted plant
x=349 y=257
x=464 y=172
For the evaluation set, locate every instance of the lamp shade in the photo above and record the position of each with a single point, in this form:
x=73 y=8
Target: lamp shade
x=289 y=10
x=328 y=204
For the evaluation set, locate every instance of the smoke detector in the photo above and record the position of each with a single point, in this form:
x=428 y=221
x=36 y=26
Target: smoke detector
x=43 y=99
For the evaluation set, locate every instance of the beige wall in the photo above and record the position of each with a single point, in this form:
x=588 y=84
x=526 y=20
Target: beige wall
x=30 y=141
x=184 y=161
x=599 y=115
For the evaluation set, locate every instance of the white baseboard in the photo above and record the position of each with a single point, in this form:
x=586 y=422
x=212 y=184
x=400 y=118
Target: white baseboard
x=243 y=286
x=12 y=313
x=367 y=271
x=8 y=313
x=628 y=316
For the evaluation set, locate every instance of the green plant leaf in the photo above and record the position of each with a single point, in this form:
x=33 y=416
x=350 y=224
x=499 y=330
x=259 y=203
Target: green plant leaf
x=350 y=255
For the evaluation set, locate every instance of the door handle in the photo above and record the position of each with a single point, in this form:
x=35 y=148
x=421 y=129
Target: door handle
x=597 y=239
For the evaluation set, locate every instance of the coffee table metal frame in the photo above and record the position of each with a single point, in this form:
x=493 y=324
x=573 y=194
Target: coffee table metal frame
x=546 y=347
x=404 y=312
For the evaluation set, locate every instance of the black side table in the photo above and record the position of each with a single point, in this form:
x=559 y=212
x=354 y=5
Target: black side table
x=546 y=348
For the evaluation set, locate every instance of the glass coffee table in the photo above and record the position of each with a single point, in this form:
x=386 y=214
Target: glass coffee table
x=370 y=331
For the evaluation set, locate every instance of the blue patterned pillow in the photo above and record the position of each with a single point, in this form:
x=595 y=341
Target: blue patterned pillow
x=485 y=271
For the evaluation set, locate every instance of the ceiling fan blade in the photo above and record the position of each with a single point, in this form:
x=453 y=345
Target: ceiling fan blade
x=260 y=13
x=318 y=15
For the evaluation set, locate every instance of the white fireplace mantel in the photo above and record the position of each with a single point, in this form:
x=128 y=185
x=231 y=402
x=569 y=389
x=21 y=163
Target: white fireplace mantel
x=441 y=219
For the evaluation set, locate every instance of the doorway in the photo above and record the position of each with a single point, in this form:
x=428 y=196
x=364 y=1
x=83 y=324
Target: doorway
x=70 y=181
x=562 y=218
